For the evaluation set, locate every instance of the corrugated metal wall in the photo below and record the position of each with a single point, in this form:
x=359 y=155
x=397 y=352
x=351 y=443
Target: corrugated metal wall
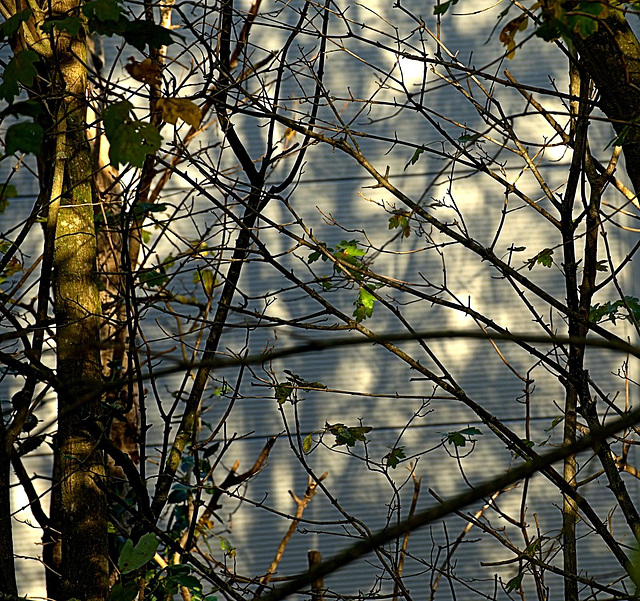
x=332 y=185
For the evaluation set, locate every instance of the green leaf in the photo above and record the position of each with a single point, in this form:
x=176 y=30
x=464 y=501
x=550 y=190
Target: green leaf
x=24 y=137
x=115 y=115
x=12 y=24
x=28 y=108
x=178 y=495
x=459 y=438
x=544 y=257
x=19 y=70
x=515 y=583
x=133 y=142
x=153 y=277
x=364 y=305
x=394 y=456
x=102 y=10
x=400 y=219
x=206 y=278
x=141 y=32
x=283 y=392
x=301 y=382
x=227 y=547
x=6 y=191
x=443 y=7
x=471 y=431
x=414 y=159
x=124 y=592
x=130 y=140
x=469 y=138
x=134 y=557
x=70 y=24
x=554 y=423
x=350 y=248
x=143 y=208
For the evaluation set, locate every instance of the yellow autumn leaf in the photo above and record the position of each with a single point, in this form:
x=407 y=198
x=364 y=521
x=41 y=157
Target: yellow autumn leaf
x=180 y=108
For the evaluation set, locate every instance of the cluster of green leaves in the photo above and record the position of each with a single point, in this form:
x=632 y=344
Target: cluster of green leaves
x=159 y=584
x=25 y=136
x=283 y=392
x=563 y=20
x=131 y=140
x=348 y=264
x=346 y=435
x=400 y=219
x=610 y=311
x=107 y=17
x=558 y=19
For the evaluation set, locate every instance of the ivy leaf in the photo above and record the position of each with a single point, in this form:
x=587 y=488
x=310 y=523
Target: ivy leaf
x=134 y=557
x=69 y=24
x=180 y=108
x=130 y=140
x=102 y=10
x=28 y=108
x=19 y=70
x=140 y=32
x=24 y=137
x=12 y=24
x=6 y=191
x=394 y=456
x=610 y=310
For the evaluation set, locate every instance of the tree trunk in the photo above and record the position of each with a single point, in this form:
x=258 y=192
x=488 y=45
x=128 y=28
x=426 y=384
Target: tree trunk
x=80 y=464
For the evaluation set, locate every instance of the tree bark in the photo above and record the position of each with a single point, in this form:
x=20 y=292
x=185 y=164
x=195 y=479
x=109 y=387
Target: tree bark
x=611 y=58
